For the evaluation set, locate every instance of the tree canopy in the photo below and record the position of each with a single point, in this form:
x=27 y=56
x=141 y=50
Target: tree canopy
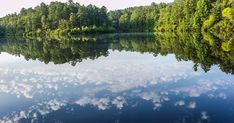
x=57 y=18
x=213 y=16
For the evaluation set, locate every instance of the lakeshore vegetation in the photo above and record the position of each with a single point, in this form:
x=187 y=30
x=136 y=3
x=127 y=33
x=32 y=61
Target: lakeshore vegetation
x=70 y=18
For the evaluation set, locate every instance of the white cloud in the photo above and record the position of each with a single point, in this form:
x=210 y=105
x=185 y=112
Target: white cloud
x=119 y=102
x=55 y=105
x=156 y=99
x=102 y=103
x=180 y=103
x=83 y=101
x=204 y=116
x=192 y=105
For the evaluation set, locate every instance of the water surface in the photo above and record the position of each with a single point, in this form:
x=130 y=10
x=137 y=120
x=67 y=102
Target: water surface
x=116 y=79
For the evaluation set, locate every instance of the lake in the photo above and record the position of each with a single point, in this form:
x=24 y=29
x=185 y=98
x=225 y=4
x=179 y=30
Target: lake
x=117 y=78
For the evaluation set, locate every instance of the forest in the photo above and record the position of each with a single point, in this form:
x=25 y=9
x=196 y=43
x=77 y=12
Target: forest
x=215 y=16
x=70 y=18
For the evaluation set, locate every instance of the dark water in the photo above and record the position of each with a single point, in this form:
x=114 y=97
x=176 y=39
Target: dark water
x=140 y=78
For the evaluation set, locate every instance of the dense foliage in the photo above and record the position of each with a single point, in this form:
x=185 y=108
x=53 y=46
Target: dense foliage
x=71 y=18
x=137 y=19
x=198 y=15
x=57 y=18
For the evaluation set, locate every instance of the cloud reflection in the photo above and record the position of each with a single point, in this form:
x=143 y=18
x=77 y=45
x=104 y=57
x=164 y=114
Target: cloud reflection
x=103 y=85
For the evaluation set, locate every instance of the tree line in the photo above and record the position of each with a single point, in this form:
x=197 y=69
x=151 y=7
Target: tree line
x=70 y=18
x=57 y=18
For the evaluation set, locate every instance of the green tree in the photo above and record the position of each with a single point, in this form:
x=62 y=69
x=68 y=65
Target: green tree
x=202 y=11
x=228 y=13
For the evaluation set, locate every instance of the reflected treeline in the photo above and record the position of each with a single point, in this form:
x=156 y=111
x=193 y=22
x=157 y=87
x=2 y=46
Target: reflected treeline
x=56 y=51
x=204 y=49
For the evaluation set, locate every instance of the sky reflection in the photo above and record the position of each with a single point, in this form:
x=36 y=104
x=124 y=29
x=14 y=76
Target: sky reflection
x=119 y=82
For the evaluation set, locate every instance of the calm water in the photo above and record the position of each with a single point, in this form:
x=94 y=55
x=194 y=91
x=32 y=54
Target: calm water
x=141 y=78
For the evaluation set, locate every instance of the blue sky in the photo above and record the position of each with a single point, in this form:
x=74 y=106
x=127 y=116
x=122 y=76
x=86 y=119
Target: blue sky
x=11 y=6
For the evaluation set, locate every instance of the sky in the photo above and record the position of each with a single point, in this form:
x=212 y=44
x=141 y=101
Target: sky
x=11 y=6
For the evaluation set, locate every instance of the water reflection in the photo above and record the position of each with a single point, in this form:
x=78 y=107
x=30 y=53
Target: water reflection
x=204 y=50
x=117 y=78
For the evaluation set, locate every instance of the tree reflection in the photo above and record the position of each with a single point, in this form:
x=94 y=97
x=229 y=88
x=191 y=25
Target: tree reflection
x=204 y=49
